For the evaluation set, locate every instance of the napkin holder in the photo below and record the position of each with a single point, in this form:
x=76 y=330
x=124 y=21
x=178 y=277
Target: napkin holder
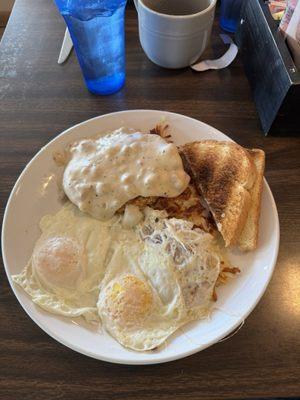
x=273 y=76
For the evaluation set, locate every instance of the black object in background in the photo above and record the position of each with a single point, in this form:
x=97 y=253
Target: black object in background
x=273 y=76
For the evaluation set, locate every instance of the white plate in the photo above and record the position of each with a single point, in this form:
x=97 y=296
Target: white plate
x=36 y=194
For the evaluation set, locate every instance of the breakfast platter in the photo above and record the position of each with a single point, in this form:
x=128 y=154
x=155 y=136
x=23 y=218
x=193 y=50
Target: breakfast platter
x=87 y=321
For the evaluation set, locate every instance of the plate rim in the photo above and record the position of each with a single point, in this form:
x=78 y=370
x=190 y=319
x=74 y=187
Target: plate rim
x=123 y=361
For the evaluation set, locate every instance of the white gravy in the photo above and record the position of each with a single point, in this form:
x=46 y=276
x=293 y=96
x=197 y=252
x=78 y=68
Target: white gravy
x=104 y=173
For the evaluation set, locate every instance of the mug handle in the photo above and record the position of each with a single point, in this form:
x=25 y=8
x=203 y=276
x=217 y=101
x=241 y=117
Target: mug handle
x=136 y=3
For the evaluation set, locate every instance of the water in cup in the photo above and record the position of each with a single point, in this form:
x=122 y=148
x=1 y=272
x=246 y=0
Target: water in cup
x=97 y=31
x=230 y=13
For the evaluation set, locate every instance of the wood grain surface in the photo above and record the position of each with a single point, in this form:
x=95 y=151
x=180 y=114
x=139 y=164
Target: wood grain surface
x=38 y=100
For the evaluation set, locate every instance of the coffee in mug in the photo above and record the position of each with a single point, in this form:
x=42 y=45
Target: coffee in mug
x=177 y=7
x=174 y=33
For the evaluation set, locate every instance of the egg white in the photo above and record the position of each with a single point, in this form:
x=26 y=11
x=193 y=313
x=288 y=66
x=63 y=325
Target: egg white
x=143 y=315
x=67 y=293
x=193 y=255
x=177 y=265
x=142 y=283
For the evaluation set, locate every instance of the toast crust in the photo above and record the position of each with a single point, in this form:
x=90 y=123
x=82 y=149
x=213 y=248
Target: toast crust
x=249 y=236
x=224 y=173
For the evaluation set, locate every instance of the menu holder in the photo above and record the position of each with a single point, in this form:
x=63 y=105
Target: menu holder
x=273 y=76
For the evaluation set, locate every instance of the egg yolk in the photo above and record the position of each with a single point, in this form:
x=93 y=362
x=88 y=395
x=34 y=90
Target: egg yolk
x=58 y=262
x=129 y=301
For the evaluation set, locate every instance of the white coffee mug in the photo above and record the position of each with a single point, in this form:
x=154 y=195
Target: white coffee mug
x=174 y=33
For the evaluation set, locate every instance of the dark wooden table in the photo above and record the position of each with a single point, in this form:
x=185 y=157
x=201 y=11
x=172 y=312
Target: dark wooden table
x=38 y=100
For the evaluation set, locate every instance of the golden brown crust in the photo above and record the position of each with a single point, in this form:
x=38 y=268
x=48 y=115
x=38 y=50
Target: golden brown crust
x=186 y=206
x=224 y=174
x=249 y=236
x=140 y=202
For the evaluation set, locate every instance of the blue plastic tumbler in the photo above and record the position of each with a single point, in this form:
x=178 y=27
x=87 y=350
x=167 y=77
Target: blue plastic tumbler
x=230 y=14
x=97 y=31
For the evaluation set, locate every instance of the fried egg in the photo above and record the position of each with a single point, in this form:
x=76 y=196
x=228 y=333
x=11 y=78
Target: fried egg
x=141 y=282
x=195 y=257
x=133 y=307
x=67 y=264
x=158 y=282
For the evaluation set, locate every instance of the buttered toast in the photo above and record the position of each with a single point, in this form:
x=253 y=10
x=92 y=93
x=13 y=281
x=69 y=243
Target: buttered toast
x=229 y=178
x=249 y=235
